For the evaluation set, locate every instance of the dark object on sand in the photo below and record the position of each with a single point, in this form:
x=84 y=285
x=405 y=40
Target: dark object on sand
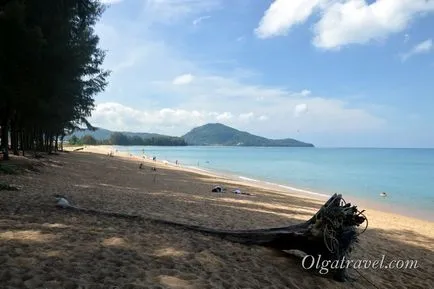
x=218 y=189
x=331 y=232
x=141 y=166
x=63 y=202
x=239 y=192
x=78 y=149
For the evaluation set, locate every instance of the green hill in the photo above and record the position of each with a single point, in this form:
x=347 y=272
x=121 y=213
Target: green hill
x=219 y=134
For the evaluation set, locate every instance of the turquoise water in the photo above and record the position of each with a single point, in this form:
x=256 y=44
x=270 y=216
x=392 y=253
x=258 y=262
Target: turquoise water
x=407 y=175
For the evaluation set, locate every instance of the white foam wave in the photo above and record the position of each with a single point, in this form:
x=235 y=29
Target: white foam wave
x=197 y=169
x=248 y=179
x=303 y=191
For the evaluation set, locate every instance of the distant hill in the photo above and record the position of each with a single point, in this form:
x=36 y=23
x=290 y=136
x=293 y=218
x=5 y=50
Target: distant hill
x=209 y=134
x=104 y=134
x=219 y=134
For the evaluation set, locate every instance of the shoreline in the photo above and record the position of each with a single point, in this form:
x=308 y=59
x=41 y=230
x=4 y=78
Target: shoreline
x=391 y=209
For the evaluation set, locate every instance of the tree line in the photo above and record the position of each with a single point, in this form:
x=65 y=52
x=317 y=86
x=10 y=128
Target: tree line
x=50 y=71
x=122 y=139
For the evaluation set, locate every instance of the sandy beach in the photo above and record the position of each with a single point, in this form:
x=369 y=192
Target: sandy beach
x=42 y=246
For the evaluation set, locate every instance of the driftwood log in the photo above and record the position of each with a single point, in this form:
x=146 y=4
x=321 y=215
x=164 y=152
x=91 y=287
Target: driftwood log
x=331 y=232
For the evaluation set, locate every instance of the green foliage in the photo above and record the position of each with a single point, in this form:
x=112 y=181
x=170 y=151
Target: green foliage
x=50 y=69
x=101 y=134
x=74 y=140
x=118 y=138
x=88 y=140
x=219 y=134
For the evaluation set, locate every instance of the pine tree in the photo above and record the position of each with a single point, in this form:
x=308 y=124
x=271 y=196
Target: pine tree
x=50 y=70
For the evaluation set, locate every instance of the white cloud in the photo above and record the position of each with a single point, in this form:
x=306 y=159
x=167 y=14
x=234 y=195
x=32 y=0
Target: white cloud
x=116 y=116
x=282 y=15
x=110 y=1
x=406 y=37
x=305 y=92
x=224 y=116
x=300 y=109
x=343 y=22
x=119 y=117
x=246 y=116
x=356 y=22
x=318 y=115
x=200 y=19
x=183 y=79
x=170 y=11
x=423 y=47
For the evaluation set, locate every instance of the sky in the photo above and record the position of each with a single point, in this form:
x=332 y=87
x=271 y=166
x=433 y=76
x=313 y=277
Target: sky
x=336 y=73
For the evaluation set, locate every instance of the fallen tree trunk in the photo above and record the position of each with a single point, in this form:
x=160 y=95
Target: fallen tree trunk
x=330 y=233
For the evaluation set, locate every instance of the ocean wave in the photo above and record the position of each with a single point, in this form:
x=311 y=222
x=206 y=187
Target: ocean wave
x=248 y=179
x=197 y=169
x=303 y=191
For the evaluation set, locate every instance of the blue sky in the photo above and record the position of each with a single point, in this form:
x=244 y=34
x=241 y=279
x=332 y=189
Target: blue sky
x=332 y=72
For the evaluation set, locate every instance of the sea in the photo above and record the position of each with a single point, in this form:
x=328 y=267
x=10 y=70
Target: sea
x=361 y=174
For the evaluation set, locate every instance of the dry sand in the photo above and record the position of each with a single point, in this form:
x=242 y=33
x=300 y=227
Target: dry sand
x=45 y=247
